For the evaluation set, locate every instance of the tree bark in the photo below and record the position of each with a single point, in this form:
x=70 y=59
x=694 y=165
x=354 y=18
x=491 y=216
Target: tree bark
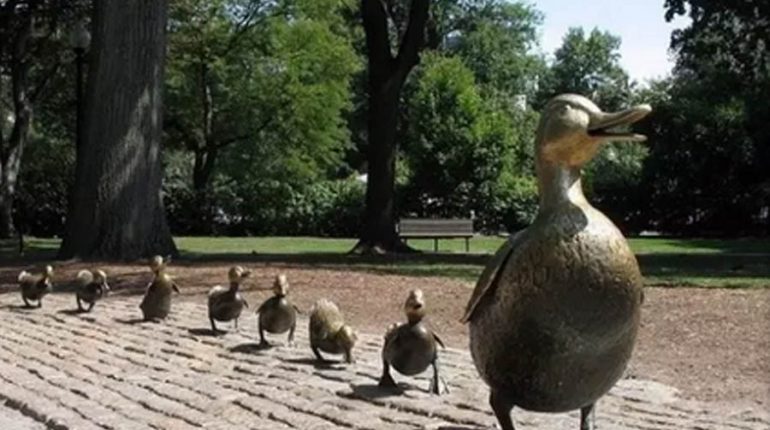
x=387 y=75
x=117 y=212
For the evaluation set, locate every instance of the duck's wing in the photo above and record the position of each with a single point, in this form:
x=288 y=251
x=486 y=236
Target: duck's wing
x=488 y=280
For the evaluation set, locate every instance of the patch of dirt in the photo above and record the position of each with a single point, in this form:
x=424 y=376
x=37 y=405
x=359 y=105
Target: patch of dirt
x=712 y=344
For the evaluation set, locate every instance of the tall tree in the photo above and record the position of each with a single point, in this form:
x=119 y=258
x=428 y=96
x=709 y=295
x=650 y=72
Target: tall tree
x=117 y=211
x=588 y=64
x=387 y=74
x=249 y=89
x=30 y=56
x=707 y=170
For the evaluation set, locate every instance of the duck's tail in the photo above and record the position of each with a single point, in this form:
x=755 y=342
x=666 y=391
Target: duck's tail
x=23 y=276
x=85 y=277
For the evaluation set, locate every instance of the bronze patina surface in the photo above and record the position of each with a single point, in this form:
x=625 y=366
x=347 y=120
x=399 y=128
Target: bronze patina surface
x=156 y=303
x=35 y=287
x=277 y=314
x=93 y=286
x=411 y=347
x=554 y=316
x=227 y=303
x=329 y=333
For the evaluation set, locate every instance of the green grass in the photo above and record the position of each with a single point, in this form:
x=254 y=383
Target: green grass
x=673 y=262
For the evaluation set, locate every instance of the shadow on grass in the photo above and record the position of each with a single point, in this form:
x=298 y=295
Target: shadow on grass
x=737 y=263
x=717 y=266
x=731 y=246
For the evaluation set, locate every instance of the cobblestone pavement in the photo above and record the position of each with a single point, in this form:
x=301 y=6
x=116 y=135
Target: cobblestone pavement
x=105 y=370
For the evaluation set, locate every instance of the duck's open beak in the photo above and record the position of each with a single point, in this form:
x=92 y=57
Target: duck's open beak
x=601 y=124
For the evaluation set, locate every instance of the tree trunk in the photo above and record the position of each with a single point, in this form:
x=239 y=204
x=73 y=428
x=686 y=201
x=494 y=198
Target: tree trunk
x=387 y=75
x=117 y=211
x=12 y=149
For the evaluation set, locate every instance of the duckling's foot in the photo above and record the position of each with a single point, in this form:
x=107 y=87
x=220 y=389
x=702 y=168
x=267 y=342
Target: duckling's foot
x=502 y=406
x=386 y=381
x=437 y=380
x=318 y=355
x=587 y=418
x=90 y=306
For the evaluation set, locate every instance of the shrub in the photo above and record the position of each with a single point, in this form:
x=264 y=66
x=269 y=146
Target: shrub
x=46 y=176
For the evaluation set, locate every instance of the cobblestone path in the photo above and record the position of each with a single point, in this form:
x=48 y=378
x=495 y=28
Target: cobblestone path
x=105 y=370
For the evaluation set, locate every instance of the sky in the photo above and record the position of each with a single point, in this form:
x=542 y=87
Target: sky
x=640 y=24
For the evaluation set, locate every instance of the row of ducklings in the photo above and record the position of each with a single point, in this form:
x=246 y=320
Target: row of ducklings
x=410 y=347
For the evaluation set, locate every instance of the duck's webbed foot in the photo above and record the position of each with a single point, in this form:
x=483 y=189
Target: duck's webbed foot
x=90 y=306
x=26 y=302
x=502 y=406
x=214 y=329
x=290 y=341
x=262 y=341
x=80 y=305
x=587 y=418
x=437 y=380
x=386 y=380
x=318 y=355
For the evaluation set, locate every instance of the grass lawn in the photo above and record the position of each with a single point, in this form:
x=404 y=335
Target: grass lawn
x=694 y=262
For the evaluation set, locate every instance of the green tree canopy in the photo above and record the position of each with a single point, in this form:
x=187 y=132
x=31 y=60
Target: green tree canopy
x=588 y=65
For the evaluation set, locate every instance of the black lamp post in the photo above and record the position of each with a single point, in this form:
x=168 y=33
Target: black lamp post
x=80 y=39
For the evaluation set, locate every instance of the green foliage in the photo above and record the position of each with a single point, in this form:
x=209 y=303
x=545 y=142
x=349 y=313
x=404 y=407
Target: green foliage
x=265 y=206
x=588 y=65
x=613 y=183
x=459 y=146
x=495 y=40
x=277 y=80
x=43 y=188
x=707 y=171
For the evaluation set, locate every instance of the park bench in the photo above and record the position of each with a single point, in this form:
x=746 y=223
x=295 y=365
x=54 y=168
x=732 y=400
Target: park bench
x=423 y=228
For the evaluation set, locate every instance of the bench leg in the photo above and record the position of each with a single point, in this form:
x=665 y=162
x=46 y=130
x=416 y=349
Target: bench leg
x=435 y=245
x=467 y=245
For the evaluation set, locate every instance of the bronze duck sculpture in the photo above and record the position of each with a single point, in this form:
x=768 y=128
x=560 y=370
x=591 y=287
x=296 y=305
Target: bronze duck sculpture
x=227 y=303
x=156 y=303
x=554 y=315
x=329 y=333
x=35 y=287
x=93 y=286
x=277 y=314
x=411 y=348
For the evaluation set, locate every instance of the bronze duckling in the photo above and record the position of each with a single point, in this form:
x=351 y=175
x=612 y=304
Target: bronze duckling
x=277 y=314
x=156 y=303
x=554 y=315
x=35 y=287
x=93 y=286
x=411 y=347
x=329 y=333
x=227 y=303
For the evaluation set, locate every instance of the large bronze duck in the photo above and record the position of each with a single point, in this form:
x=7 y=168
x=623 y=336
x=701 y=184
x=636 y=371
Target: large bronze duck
x=156 y=303
x=35 y=287
x=277 y=314
x=554 y=315
x=227 y=303
x=411 y=347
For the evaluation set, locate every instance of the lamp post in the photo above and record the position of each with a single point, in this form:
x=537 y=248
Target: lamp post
x=80 y=39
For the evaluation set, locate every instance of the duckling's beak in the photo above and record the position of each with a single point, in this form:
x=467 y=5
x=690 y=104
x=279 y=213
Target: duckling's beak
x=601 y=124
